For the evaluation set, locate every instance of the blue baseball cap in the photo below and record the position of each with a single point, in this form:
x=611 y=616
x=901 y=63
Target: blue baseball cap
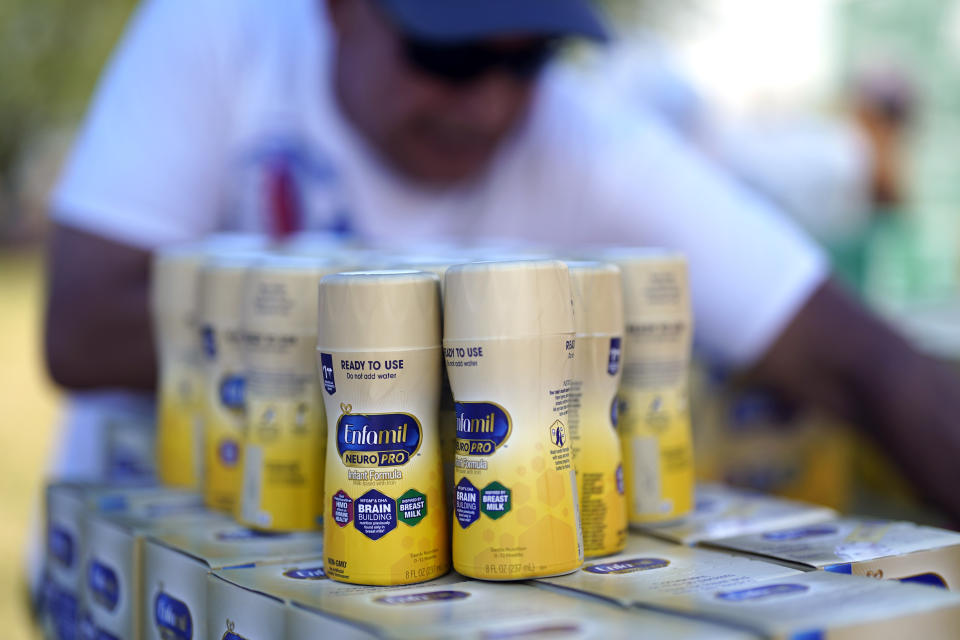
x=463 y=20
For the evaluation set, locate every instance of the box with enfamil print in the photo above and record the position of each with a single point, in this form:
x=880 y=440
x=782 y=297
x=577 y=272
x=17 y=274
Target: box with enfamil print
x=818 y=605
x=251 y=601
x=67 y=570
x=477 y=609
x=176 y=564
x=651 y=570
x=111 y=597
x=873 y=548
x=722 y=512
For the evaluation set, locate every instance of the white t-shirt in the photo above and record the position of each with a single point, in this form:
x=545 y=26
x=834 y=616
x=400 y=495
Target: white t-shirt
x=215 y=114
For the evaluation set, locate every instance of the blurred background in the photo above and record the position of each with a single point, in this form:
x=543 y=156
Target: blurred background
x=818 y=78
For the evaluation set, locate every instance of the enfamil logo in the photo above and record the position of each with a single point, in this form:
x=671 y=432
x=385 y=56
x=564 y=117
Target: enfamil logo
x=172 y=617
x=377 y=439
x=310 y=573
x=626 y=566
x=482 y=427
x=422 y=597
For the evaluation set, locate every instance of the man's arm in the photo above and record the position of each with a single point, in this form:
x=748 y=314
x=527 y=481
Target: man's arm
x=98 y=329
x=836 y=354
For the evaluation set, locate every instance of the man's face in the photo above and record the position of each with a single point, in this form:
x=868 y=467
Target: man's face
x=429 y=127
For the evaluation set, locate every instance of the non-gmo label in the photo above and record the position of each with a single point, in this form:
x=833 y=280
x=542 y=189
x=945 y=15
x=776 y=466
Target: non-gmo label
x=627 y=566
x=378 y=439
x=422 y=597
x=613 y=363
x=103 y=584
x=326 y=371
x=495 y=500
x=482 y=427
x=412 y=507
x=467 y=505
x=759 y=593
x=342 y=508
x=172 y=617
x=375 y=514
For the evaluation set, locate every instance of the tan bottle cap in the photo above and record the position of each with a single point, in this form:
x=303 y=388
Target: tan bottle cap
x=379 y=311
x=655 y=283
x=175 y=279
x=597 y=298
x=222 y=280
x=280 y=294
x=484 y=300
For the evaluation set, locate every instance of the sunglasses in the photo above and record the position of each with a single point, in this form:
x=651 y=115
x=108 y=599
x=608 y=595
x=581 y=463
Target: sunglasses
x=461 y=64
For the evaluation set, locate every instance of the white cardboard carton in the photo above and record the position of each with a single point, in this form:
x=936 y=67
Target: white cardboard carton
x=722 y=512
x=474 y=609
x=876 y=549
x=817 y=605
x=650 y=570
x=112 y=594
x=176 y=566
x=68 y=508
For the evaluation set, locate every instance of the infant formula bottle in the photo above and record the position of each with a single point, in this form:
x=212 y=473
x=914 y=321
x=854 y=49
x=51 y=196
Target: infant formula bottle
x=285 y=443
x=221 y=300
x=654 y=425
x=598 y=313
x=509 y=341
x=385 y=522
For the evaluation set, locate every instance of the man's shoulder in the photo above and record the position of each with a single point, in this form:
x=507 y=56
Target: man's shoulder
x=575 y=120
x=243 y=23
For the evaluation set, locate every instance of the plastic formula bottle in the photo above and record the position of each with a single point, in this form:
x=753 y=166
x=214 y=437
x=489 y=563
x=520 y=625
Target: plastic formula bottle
x=285 y=443
x=598 y=312
x=655 y=431
x=385 y=521
x=509 y=347
x=221 y=295
x=180 y=396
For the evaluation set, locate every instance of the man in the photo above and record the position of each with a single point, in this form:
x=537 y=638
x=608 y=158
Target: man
x=409 y=120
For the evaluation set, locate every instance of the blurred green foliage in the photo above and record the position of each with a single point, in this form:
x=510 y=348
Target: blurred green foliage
x=51 y=53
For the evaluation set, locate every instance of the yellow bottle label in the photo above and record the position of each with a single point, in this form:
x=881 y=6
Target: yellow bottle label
x=284 y=452
x=385 y=519
x=596 y=445
x=224 y=418
x=515 y=499
x=657 y=454
x=180 y=425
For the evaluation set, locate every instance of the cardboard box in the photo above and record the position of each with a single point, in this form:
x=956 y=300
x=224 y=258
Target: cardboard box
x=873 y=548
x=176 y=564
x=722 y=512
x=251 y=601
x=827 y=605
x=68 y=508
x=650 y=570
x=474 y=609
x=112 y=596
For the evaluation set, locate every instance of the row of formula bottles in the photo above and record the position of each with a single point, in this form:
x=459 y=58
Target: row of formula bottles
x=517 y=436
